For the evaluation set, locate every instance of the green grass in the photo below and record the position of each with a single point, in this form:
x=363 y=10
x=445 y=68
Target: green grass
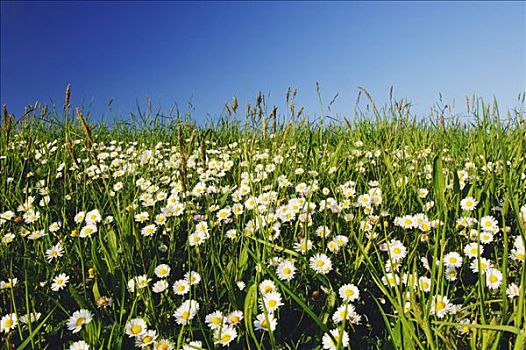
x=59 y=158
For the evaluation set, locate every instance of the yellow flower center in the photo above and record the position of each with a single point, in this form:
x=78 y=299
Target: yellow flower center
x=185 y=315
x=272 y=303
x=226 y=337
x=493 y=278
x=8 y=323
x=287 y=271
x=136 y=329
x=147 y=339
x=440 y=305
x=349 y=292
x=397 y=250
x=320 y=263
x=235 y=319
x=80 y=321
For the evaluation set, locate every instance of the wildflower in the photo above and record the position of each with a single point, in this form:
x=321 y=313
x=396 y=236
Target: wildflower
x=148 y=230
x=142 y=281
x=234 y=317
x=489 y=223
x=10 y=283
x=397 y=250
x=493 y=278
x=331 y=343
x=30 y=318
x=54 y=252
x=78 y=319
x=79 y=217
x=424 y=283
x=79 y=345
x=286 y=270
x=165 y=344
x=186 y=312
x=349 y=292
x=59 y=282
x=267 y=286
x=135 y=327
x=162 y=271
x=193 y=345
x=468 y=203
x=8 y=323
x=88 y=230
x=513 y=291
x=265 y=322
x=346 y=312
x=391 y=279
x=214 y=320
x=225 y=335
x=181 y=287
x=146 y=339
x=192 y=277
x=485 y=264
x=93 y=217
x=440 y=306
x=321 y=263
x=452 y=260
x=271 y=302
x=160 y=286
x=473 y=250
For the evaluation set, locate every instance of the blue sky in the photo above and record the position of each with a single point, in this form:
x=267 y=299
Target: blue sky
x=206 y=52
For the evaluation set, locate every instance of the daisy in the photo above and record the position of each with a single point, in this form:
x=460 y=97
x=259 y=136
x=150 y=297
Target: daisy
x=186 y=312
x=79 y=217
x=286 y=270
x=486 y=237
x=473 y=250
x=349 y=292
x=166 y=344
x=493 y=278
x=88 y=230
x=192 y=277
x=54 y=252
x=345 y=312
x=79 y=345
x=215 y=320
x=93 y=217
x=136 y=327
x=197 y=238
x=59 y=282
x=79 y=319
x=265 y=322
x=485 y=264
x=8 y=323
x=303 y=246
x=145 y=339
x=193 y=345
x=225 y=335
x=468 y=203
x=148 y=230
x=513 y=291
x=397 y=250
x=267 y=286
x=424 y=283
x=488 y=223
x=181 y=287
x=30 y=318
x=271 y=302
x=331 y=343
x=440 y=306
x=160 y=286
x=162 y=271
x=452 y=260
x=141 y=217
x=234 y=317
x=321 y=263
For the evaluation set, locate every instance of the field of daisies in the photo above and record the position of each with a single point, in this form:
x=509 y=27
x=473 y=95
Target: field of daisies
x=261 y=232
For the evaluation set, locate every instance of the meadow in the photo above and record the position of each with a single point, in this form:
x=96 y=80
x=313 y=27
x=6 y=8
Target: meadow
x=266 y=230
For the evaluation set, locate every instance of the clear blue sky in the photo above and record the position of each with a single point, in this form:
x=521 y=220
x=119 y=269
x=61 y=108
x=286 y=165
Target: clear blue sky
x=207 y=52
